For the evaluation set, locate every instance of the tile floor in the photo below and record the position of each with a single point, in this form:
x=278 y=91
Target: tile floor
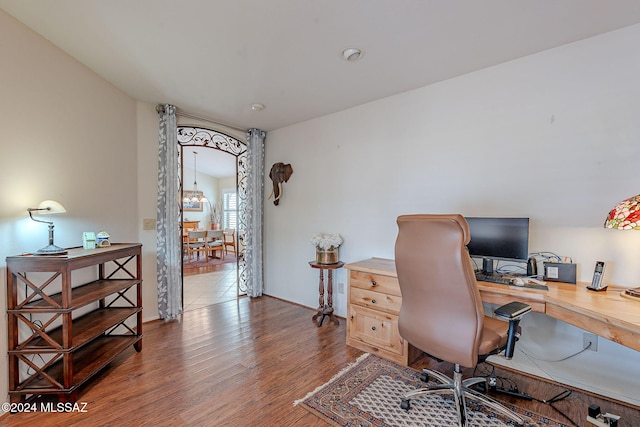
x=201 y=290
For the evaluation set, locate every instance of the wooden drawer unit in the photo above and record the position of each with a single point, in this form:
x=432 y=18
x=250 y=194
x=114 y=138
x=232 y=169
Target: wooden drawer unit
x=375 y=329
x=375 y=300
x=373 y=306
x=375 y=282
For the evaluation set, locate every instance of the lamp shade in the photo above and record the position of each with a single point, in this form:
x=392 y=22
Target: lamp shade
x=50 y=207
x=625 y=216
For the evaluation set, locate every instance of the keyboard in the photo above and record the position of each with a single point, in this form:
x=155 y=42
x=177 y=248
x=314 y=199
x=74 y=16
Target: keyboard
x=494 y=278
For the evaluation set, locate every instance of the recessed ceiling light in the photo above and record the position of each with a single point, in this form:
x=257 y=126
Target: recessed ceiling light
x=256 y=106
x=352 y=54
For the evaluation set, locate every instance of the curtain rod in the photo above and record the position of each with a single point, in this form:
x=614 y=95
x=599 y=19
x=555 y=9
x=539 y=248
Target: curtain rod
x=193 y=116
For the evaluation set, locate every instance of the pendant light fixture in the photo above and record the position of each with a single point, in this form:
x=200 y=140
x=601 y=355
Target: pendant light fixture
x=194 y=196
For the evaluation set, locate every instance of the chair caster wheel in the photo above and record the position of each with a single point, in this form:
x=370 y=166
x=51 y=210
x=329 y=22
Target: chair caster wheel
x=424 y=377
x=405 y=404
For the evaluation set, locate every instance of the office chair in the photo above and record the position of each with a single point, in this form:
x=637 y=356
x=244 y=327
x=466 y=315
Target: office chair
x=442 y=313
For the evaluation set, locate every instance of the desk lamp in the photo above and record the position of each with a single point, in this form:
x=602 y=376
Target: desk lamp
x=626 y=216
x=45 y=208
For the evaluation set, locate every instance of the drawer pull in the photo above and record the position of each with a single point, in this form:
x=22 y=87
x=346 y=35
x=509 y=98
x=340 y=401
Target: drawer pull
x=373 y=301
x=373 y=328
x=373 y=284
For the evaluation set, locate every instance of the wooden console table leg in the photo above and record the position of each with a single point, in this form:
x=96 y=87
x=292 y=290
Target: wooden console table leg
x=329 y=307
x=320 y=312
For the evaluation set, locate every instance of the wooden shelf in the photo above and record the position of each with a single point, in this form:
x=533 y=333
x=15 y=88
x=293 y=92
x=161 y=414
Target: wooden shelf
x=58 y=360
x=80 y=296
x=86 y=362
x=85 y=329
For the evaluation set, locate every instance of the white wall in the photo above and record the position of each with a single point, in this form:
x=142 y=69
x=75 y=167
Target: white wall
x=66 y=134
x=552 y=136
x=147 y=191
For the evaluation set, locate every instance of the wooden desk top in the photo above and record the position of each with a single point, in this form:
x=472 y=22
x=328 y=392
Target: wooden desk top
x=605 y=313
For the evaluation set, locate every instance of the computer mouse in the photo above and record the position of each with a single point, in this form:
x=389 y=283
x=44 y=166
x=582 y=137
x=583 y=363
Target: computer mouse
x=517 y=281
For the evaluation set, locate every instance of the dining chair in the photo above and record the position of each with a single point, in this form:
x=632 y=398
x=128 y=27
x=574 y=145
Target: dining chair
x=215 y=243
x=230 y=240
x=196 y=243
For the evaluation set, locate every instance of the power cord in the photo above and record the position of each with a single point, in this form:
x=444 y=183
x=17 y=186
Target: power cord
x=558 y=397
x=549 y=256
x=38 y=323
x=501 y=385
x=510 y=268
x=522 y=348
x=508 y=386
x=563 y=394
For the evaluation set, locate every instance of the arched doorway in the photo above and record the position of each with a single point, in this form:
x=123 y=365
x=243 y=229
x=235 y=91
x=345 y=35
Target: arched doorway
x=189 y=137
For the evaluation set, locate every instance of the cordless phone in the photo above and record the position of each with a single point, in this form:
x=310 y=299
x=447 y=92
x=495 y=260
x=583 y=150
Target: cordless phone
x=598 y=273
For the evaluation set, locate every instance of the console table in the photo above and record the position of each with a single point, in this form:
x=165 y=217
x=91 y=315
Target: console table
x=51 y=351
x=190 y=225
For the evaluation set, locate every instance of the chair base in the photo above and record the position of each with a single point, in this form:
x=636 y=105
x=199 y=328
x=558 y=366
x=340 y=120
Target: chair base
x=460 y=389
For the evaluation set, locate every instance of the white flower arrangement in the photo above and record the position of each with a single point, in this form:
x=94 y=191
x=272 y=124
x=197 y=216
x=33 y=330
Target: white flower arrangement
x=326 y=241
x=214 y=212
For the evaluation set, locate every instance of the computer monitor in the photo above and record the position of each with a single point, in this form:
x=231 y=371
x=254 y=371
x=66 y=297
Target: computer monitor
x=498 y=239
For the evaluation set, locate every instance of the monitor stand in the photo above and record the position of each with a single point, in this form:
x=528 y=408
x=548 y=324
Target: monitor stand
x=487 y=272
x=487 y=265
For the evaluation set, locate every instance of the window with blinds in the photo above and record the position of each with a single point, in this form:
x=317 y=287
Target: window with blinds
x=230 y=209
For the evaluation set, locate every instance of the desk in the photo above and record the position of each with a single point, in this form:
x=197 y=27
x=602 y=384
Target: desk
x=606 y=313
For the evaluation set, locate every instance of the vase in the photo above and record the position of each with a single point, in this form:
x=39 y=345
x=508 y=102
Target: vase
x=327 y=256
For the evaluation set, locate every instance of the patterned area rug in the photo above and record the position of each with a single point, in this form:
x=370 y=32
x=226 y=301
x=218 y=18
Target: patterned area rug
x=368 y=393
x=229 y=258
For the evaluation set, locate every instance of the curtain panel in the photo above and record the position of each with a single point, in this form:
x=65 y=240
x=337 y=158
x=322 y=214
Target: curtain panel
x=255 y=197
x=169 y=238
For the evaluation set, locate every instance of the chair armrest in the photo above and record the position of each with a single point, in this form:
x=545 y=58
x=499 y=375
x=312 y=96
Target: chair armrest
x=512 y=312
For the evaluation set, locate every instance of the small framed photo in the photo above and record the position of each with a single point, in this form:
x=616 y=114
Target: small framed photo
x=192 y=206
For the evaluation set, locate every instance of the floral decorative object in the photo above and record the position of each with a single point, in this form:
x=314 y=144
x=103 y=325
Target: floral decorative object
x=626 y=215
x=326 y=241
x=214 y=212
x=327 y=247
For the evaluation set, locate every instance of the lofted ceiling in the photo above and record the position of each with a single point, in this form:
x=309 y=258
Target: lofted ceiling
x=214 y=58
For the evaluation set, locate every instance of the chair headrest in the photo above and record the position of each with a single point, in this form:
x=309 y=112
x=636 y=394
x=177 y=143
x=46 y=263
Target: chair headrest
x=456 y=218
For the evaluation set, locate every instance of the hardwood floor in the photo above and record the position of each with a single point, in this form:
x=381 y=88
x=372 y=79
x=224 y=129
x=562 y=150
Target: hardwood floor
x=243 y=363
